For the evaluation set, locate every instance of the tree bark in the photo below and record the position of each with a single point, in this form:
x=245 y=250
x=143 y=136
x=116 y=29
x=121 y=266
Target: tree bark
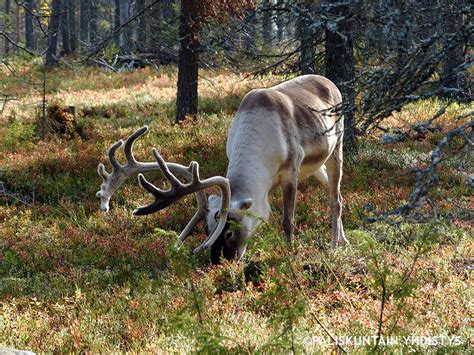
x=405 y=9
x=280 y=20
x=307 y=40
x=18 y=24
x=71 y=19
x=125 y=36
x=155 y=23
x=93 y=22
x=53 y=32
x=187 y=96
x=7 y=13
x=451 y=75
x=249 y=41
x=29 y=28
x=117 y=20
x=340 y=66
x=64 y=19
x=84 y=22
x=267 y=23
x=142 y=25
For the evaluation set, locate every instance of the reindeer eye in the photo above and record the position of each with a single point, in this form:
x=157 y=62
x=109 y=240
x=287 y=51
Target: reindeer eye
x=228 y=235
x=216 y=216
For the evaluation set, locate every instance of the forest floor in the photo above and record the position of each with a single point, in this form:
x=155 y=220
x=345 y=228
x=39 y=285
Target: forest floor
x=75 y=279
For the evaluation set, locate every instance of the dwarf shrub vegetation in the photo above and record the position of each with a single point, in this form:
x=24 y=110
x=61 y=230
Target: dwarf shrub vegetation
x=73 y=279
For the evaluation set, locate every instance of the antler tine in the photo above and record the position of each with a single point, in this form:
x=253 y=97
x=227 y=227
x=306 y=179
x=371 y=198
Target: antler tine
x=160 y=198
x=127 y=149
x=166 y=171
x=102 y=173
x=113 y=160
x=224 y=186
x=194 y=167
x=149 y=186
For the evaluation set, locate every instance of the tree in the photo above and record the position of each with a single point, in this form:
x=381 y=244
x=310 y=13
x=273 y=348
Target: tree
x=155 y=24
x=125 y=35
x=193 y=16
x=452 y=20
x=71 y=19
x=187 y=96
x=18 y=23
x=267 y=23
x=117 y=20
x=84 y=22
x=7 y=13
x=93 y=21
x=64 y=24
x=250 y=33
x=142 y=24
x=29 y=28
x=340 y=64
x=307 y=38
x=280 y=20
x=53 y=32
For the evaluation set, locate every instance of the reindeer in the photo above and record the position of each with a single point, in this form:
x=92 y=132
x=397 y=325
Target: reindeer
x=280 y=135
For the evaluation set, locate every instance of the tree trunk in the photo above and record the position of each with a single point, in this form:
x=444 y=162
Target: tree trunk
x=125 y=36
x=93 y=22
x=250 y=32
x=64 y=19
x=84 y=23
x=451 y=75
x=142 y=25
x=403 y=24
x=156 y=24
x=267 y=23
x=18 y=24
x=117 y=20
x=340 y=67
x=280 y=20
x=29 y=29
x=7 y=13
x=71 y=19
x=53 y=31
x=187 y=96
x=306 y=34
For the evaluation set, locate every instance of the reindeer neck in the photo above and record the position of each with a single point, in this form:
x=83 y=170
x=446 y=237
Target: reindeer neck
x=246 y=183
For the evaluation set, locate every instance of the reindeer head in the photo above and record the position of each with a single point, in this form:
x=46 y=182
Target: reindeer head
x=231 y=243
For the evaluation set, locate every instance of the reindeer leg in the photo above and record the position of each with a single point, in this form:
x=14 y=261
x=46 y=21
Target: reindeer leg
x=334 y=173
x=289 y=203
x=289 y=186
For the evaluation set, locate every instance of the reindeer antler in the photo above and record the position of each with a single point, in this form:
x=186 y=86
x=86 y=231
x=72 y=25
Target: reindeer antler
x=178 y=190
x=119 y=174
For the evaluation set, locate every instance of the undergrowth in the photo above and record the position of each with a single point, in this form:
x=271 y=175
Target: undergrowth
x=73 y=279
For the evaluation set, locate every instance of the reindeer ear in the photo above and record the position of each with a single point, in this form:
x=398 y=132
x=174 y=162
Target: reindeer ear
x=245 y=204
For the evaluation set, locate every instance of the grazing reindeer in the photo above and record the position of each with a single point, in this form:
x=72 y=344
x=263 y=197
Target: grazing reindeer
x=279 y=135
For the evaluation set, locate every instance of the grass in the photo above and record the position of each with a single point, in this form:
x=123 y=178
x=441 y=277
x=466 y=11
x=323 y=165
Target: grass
x=74 y=279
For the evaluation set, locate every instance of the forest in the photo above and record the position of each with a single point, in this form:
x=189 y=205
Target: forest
x=114 y=112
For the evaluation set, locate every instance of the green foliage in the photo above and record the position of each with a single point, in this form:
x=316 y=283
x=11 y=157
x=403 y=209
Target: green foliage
x=18 y=133
x=111 y=51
